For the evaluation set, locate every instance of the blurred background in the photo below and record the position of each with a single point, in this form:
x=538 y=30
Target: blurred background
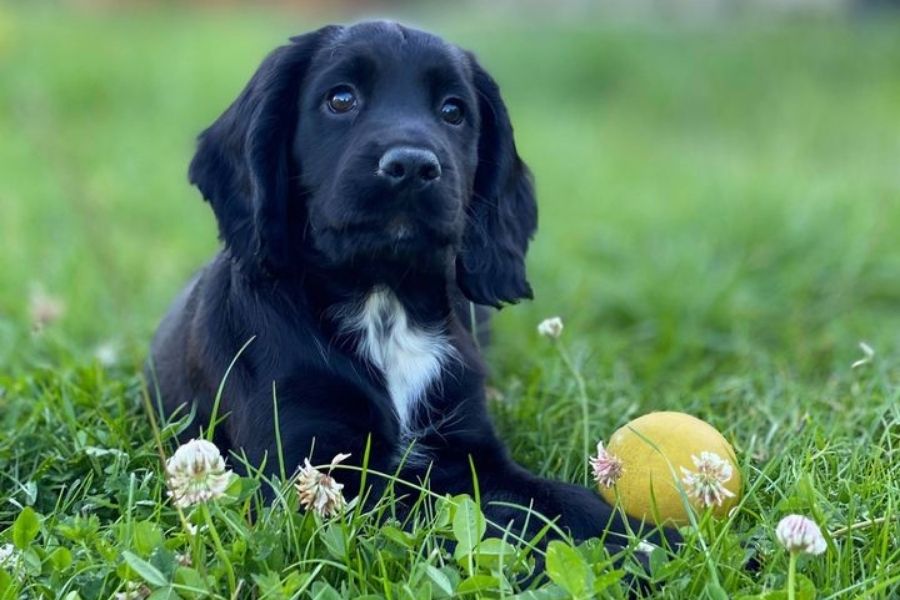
x=718 y=180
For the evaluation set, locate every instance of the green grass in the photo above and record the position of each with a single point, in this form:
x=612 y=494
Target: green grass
x=720 y=207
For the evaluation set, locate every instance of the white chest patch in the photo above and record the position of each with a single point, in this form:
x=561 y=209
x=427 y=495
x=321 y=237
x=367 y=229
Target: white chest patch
x=410 y=358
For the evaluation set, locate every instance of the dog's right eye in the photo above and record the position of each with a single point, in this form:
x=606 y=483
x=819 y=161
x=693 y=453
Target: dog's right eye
x=341 y=99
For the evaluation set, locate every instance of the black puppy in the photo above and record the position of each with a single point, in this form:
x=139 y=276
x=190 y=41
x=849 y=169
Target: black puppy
x=367 y=188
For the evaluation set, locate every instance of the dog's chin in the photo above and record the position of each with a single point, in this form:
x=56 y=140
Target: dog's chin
x=370 y=225
x=397 y=243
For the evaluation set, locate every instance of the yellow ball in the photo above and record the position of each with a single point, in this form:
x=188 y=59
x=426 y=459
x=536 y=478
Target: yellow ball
x=646 y=488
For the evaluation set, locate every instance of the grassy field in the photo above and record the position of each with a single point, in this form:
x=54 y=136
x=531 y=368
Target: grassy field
x=719 y=230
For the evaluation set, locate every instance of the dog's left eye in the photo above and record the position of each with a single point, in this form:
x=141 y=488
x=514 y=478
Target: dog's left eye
x=452 y=112
x=341 y=99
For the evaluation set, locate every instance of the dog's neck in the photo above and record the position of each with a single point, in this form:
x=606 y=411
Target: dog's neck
x=424 y=295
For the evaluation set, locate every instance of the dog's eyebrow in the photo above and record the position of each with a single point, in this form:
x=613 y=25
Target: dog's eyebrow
x=446 y=78
x=356 y=68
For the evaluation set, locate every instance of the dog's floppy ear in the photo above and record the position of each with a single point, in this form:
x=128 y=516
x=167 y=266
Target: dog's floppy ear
x=242 y=164
x=502 y=214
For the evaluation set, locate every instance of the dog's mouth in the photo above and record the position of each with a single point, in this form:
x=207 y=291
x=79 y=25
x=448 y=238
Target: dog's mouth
x=361 y=221
x=400 y=238
x=399 y=230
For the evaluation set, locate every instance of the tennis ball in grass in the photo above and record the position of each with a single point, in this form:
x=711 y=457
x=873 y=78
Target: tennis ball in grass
x=657 y=461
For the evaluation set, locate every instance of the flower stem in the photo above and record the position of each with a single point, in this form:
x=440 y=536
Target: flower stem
x=220 y=549
x=194 y=540
x=792 y=575
x=583 y=398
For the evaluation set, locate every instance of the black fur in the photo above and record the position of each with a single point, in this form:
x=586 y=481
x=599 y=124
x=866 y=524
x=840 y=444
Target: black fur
x=309 y=226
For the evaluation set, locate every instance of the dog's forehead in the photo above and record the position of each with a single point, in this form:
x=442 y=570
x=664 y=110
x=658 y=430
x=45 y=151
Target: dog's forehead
x=388 y=41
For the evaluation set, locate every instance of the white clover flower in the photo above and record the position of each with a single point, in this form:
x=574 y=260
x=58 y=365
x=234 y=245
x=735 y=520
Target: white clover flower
x=133 y=591
x=799 y=534
x=319 y=491
x=44 y=309
x=607 y=467
x=706 y=484
x=551 y=328
x=868 y=355
x=107 y=354
x=9 y=557
x=196 y=473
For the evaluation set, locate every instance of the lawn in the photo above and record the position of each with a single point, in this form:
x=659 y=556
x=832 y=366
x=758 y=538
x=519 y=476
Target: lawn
x=720 y=212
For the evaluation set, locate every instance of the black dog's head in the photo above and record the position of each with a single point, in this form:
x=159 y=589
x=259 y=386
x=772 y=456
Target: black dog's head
x=370 y=144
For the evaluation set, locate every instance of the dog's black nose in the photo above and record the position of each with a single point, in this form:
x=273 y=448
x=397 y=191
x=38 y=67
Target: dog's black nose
x=407 y=165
